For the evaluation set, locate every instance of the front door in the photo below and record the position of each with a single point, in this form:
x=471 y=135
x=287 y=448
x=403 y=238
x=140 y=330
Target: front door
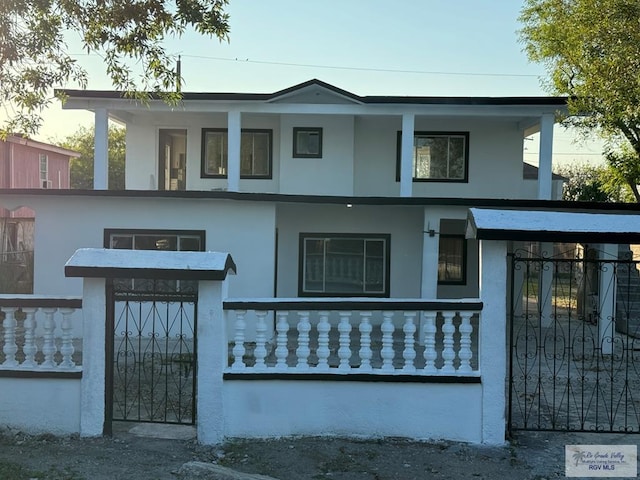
x=172 y=163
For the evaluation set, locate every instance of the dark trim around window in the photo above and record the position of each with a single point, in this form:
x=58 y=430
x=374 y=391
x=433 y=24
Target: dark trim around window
x=203 y=151
x=310 y=130
x=439 y=134
x=385 y=293
x=108 y=232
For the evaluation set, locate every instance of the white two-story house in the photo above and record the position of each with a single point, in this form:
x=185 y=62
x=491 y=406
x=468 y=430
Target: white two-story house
x=314 y=190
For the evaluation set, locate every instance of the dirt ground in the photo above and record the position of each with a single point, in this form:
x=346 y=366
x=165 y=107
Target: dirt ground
x=530 y=456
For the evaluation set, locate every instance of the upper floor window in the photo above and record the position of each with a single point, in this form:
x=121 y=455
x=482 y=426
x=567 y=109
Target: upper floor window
x=438 y=156
x=44 y=171
x=307 y=142
x=344 y=265
x=255 y=153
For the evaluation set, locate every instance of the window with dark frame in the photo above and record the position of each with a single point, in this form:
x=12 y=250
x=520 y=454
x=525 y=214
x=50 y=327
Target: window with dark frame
x=452 y=259
x=307 y=142
x=255 y=153
x=150 y=239
x=344 y=265
x=437 y=157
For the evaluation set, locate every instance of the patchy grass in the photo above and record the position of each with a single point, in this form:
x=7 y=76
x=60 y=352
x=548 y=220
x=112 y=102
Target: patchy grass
x=14 y=471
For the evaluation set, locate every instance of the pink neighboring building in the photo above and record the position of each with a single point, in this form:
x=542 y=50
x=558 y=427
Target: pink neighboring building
x=26 y=164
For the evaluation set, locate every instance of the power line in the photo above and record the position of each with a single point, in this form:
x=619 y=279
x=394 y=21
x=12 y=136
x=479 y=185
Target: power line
x=361 y=69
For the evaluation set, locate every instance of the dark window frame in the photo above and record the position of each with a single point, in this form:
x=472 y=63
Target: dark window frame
x=203 y=153
x=465 y=178
x=463 y=266
x=359 y=236
x=296 y=131
x=108 y=232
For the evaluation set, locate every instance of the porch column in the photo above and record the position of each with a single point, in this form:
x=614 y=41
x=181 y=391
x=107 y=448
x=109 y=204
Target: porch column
x=234 y=136
x=406 y=155
x=212 y=360
x=430 y=246
x=545 y=158
x=101 y=150
x=493 y=338
x=607 y=297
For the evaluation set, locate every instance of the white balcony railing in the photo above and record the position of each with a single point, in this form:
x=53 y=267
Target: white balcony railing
x=347 y=336
x=36 y=333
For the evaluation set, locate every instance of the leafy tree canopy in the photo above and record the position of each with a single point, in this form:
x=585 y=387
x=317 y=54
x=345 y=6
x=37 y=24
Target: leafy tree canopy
x=128 y=34
x=82 y=141
x=591 y=49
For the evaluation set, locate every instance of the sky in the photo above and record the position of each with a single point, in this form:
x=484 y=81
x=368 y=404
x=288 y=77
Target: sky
x=368 y=47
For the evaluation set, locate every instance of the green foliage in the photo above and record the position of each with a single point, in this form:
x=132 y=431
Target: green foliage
x=589 y=183
x=82 y=168
x=128 y=34
x=591 y=49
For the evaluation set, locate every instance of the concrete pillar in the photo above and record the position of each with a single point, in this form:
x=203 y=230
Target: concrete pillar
x=430 y=247
x=212 y=360
x=92 y=387
x=234 y=137
x=493 y=339
x=607 y=297
x=546 y=153
x=406 y=155
x=101 y=150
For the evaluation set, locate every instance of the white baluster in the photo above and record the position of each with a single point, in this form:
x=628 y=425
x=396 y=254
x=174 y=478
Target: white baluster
x=49 y=346
x=430 y=354
x=282 y=351
x=260 y=351
x=465 y=353
x=344 y=351
x=303 y=351
x=365 y=341
x=66 y=349
x=387 y=352
x=409 y=352
x=238 y=346
x=10 y=348
x=448 y=353
x=324 y=327
x=29 y=347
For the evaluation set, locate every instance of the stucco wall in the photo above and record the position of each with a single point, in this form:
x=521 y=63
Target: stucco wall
x=40 y=405
x=255 y=409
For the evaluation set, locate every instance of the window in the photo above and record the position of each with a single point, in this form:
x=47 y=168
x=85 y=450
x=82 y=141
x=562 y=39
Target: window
x=44 y=171
x=438 y=156
x=172 y=240
x=344 y=265
x=255 y=153
x=307 y=142
x=452 y=260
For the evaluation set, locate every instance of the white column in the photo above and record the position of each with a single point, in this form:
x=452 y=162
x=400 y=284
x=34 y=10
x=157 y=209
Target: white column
x=492 y=339
x=234 y=135
x=607 y=298
x=101 y=150
x=406 y=155
x=212 y=359
x=92 y=387
x=430 y=246
x=546 y=151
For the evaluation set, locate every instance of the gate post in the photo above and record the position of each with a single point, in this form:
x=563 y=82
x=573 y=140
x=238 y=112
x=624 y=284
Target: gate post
x=212 y=355
x=493 y=339
x=608 y=255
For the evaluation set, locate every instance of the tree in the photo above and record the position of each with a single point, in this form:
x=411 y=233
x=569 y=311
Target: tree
x=588 y=183
x=82 y=168
x=128 y=34
x=591 y=49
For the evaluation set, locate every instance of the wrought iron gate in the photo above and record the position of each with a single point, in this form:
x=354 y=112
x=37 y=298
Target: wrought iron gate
x=151 y=370
x=574 y=343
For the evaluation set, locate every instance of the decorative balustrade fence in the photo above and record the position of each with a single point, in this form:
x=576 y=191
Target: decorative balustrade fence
x=354 y=336
x=36 y=334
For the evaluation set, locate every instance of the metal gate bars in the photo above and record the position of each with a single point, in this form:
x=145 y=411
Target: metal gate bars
x=574 y=343
x=151 y=372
